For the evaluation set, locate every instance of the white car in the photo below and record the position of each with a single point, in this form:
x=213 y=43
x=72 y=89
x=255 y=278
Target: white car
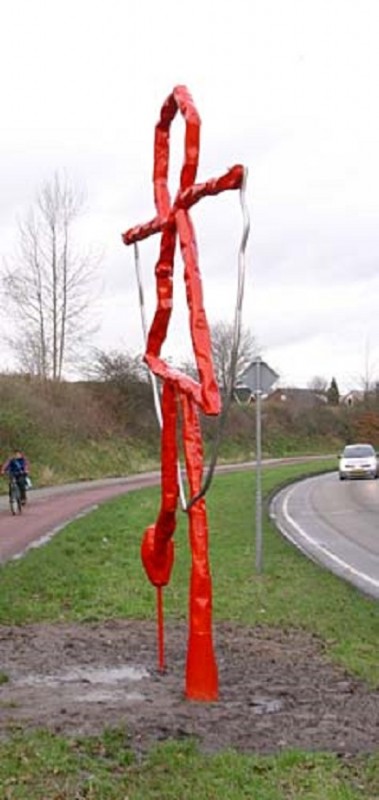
x=358 y=461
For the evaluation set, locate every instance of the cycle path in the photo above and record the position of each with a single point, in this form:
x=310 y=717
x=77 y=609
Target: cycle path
x=48 y=510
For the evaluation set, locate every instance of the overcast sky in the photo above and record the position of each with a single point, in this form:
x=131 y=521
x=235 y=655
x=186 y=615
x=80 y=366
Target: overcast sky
x=287 y=87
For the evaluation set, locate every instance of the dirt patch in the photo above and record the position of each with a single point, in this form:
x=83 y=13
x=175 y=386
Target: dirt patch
x=277 y=689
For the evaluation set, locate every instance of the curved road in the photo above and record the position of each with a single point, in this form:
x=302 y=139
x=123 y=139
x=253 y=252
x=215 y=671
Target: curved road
x=336 y=523
x=51 y=509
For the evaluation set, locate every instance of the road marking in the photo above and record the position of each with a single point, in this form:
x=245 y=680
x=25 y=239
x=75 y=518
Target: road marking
x=333 y=557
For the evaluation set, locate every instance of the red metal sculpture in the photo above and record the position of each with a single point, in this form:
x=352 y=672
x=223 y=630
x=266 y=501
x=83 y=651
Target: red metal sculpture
x=173 y=221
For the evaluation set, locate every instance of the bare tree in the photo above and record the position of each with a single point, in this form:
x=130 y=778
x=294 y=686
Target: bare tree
x=368 y=380
x=222 y=342
x=318 y=384
x=49 y=283
x=119 y=368
x=222 y=335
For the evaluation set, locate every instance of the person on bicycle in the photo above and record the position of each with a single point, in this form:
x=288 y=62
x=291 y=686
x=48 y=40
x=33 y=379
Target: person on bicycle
x=17 y=466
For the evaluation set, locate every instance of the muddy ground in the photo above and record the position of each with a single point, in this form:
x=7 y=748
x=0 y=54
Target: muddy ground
x=277 y=689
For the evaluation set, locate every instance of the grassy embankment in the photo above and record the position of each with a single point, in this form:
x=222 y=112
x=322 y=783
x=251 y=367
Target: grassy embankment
x=92 y=571
x=94 y=430
x=73 y=432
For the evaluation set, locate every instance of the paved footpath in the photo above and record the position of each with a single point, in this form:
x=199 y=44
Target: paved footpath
x=48 y=510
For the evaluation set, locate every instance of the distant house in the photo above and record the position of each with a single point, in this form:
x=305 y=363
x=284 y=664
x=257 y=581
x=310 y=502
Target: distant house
x=352 y=398
x=301 y=398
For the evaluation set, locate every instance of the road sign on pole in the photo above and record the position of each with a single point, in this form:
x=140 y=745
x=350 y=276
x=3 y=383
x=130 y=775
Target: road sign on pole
x=258 y=378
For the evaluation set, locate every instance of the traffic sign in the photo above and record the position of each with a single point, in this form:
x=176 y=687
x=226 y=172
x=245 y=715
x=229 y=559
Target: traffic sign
x=258 y=377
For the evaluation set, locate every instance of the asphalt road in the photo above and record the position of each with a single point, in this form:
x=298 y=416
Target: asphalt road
x=336 y=523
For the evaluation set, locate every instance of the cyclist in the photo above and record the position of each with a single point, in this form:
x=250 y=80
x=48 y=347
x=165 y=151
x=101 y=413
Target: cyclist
x=17 y=466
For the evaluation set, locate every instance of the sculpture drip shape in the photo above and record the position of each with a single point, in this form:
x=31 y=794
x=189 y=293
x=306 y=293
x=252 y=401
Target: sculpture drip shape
x=180 y=391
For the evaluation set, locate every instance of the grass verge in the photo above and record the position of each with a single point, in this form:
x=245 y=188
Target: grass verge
x=91 y=571
x=40 y=766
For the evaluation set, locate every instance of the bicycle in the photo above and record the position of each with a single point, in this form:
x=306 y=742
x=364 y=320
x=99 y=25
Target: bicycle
x=14 y=496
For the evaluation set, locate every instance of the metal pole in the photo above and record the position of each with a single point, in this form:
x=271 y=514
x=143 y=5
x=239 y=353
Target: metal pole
x=258 y=495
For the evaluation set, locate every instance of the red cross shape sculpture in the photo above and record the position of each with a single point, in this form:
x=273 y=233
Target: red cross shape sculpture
x=173 y=221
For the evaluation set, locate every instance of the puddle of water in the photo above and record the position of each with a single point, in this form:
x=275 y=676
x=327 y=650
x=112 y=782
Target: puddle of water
x=266 y=705
x=104 y=696
x=111 y=675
